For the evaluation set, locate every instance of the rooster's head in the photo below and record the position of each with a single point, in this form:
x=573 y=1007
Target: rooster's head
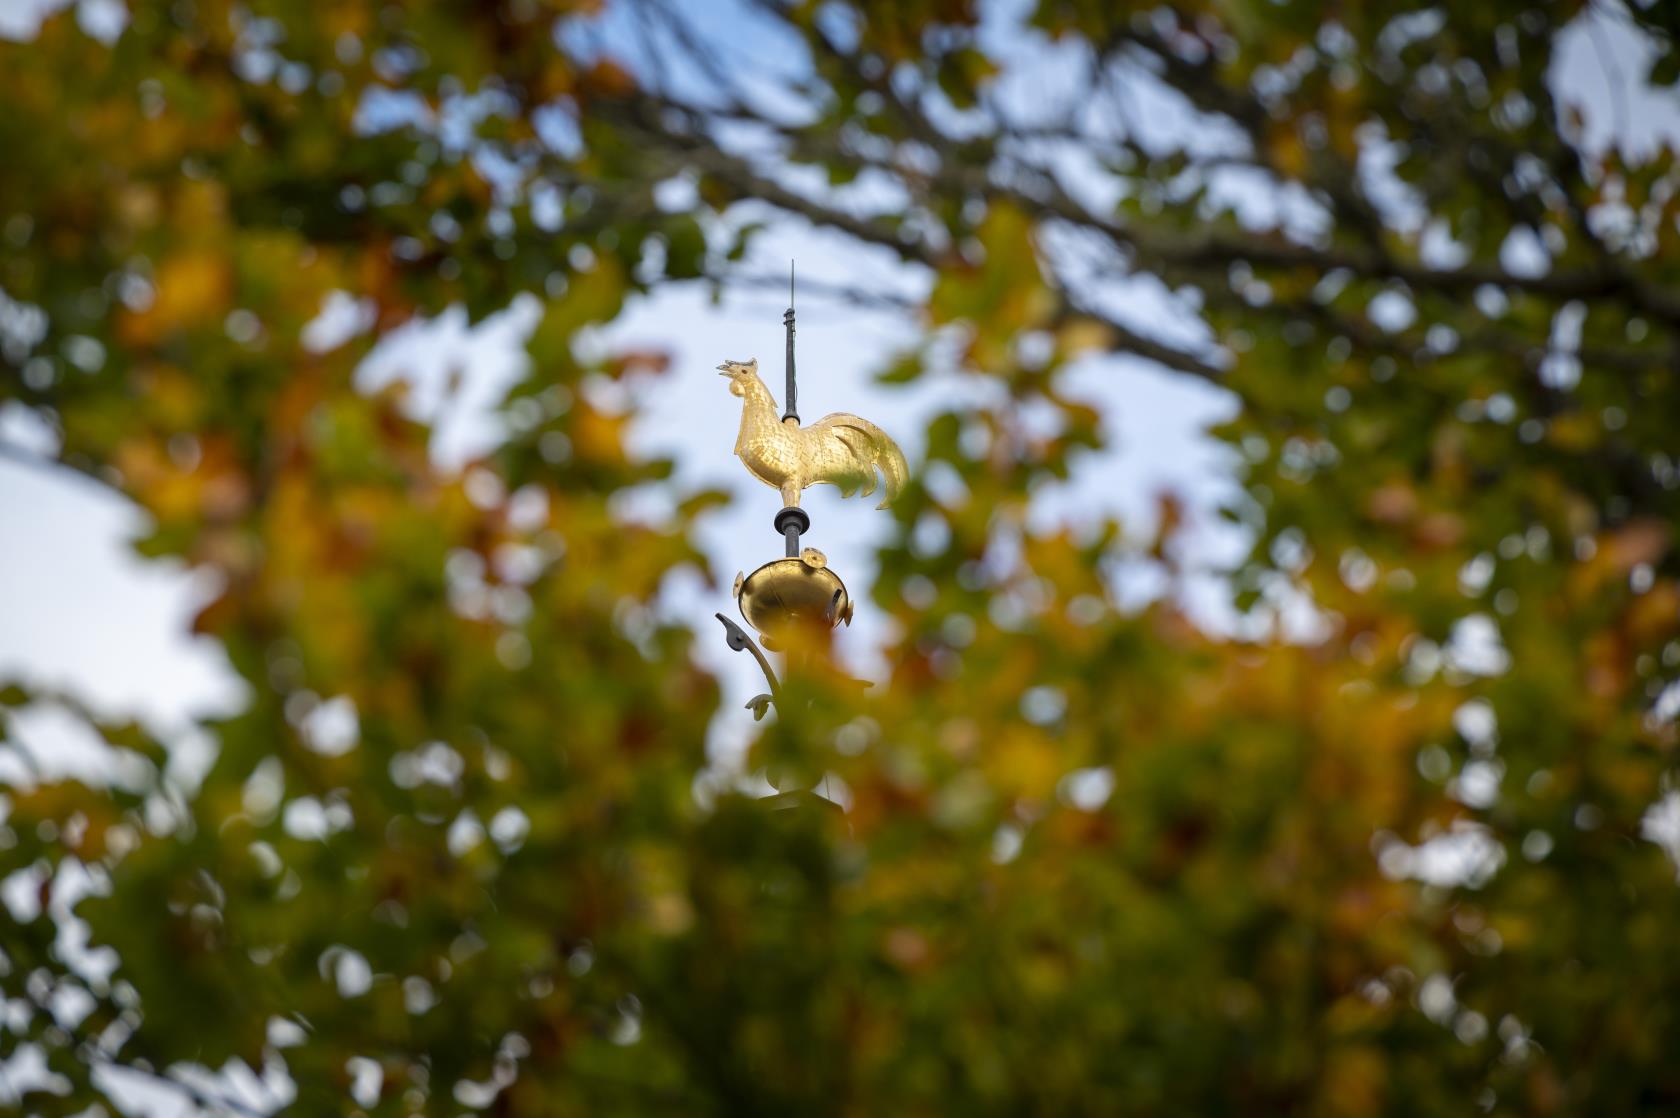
x=739 y=373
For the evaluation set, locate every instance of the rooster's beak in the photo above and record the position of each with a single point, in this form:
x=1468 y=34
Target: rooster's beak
x=725 y=371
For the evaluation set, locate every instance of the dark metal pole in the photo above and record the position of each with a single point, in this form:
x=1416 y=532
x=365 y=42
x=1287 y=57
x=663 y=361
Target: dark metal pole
x=792 y=409
x=792 y=523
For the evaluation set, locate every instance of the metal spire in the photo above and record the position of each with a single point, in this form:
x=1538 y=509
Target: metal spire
x=789 y=599
x=792 y=409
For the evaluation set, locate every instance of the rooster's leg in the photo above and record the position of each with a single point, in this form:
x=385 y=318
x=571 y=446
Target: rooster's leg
x=790 y=494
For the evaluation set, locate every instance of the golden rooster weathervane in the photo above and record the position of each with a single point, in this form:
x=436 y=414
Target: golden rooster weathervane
x=841 y=449
x=799 y=592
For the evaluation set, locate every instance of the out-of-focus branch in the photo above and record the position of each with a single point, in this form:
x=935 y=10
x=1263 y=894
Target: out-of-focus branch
x=1200 y=84
x=866 y=298
x=951 y=170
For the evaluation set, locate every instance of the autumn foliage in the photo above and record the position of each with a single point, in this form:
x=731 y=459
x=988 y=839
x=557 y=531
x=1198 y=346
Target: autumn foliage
x=1096 y=859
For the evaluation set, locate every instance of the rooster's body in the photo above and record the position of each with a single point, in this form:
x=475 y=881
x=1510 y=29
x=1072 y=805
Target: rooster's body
x=839 y=449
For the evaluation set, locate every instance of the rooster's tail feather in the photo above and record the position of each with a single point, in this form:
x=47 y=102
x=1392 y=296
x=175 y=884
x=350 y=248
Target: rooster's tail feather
x=893 y=465
x=873 y=450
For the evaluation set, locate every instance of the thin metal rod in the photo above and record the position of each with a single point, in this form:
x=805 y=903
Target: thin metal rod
x=792 y=409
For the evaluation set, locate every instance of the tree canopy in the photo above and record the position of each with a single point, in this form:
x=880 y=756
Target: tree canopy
x=1096 y=859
